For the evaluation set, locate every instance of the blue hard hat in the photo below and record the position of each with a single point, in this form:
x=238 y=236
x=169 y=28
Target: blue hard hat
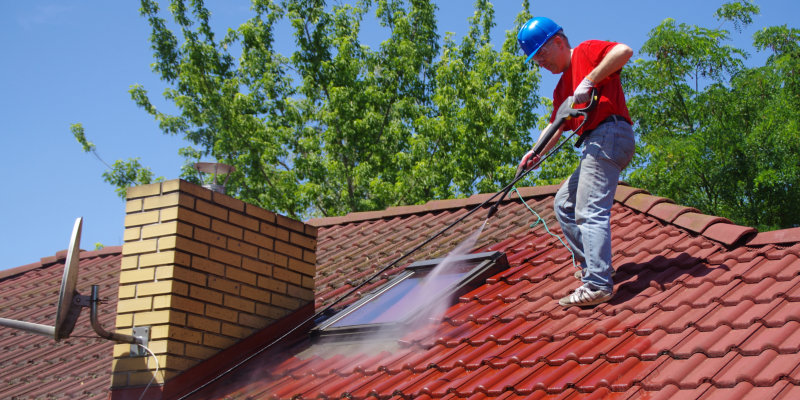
x=535 y=33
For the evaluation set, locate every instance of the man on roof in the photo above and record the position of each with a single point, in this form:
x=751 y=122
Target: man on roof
x=583 y=203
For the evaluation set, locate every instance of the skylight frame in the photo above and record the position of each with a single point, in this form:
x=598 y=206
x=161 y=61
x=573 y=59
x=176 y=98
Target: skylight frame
x=486 y=264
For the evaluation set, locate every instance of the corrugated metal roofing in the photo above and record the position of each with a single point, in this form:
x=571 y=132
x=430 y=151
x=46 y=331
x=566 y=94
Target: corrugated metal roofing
x=33 y=366
x=698 y=312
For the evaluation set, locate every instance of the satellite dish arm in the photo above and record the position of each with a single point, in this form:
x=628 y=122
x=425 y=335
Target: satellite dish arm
x=117 y=337
x=39 y=329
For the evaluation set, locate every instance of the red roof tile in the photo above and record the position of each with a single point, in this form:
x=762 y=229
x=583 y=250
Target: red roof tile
x=704 y=309
x=36 y=366
x=697 y=314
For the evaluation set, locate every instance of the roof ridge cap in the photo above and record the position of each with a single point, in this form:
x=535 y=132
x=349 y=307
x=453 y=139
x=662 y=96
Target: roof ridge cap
x=711 y=226
x=430 y=206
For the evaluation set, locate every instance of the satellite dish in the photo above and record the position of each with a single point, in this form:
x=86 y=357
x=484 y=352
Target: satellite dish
x=68 y=310
x=70 y=302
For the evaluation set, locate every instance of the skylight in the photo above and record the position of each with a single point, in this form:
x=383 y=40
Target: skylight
x=405 y=298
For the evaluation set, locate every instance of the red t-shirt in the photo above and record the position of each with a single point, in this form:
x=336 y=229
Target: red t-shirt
x=585 y=58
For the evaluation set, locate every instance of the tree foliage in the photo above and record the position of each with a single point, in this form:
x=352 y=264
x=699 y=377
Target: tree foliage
x=337 y=126
x=715 y=134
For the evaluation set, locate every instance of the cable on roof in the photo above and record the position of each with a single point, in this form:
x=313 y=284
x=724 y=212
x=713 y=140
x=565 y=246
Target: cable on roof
x=540 y=219
x=502 y=192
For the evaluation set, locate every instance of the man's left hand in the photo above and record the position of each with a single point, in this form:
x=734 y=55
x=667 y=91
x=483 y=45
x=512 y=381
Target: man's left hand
x=583 y=93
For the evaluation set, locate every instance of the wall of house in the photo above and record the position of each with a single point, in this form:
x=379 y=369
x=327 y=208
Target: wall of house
x=203 y=270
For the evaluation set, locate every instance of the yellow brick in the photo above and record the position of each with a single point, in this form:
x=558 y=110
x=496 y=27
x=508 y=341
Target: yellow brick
x=270 y=311
x=309 y=257
x=161 y=302
x=227 y=201
x=195 y=190
x=132 y=305
x=206 y=265
x=132 y=234
x=203 y=323
x=168 y=214
x=300 y=293
x=274 y=232
x=189 y=276
x=127 y=291
x=143 y=378
x=194 y=218
x=288 y=303
x=243 y=221
x=240 y=304
x=216 y=341
x=159 y=332
x=165 y=272
x=144 y=190
x=143 y=218
x=240 y=275
x=138 y=247
x=271 y=284
x=312 y=231
x=167 y=243
x=163 y=201
x=154 y=288
x=160 y=258
x=124 y=321
x=252 y=293
x=256 y=266
x=237 y=331
x=273 y=258
x=206 y=295
x=206 y=208
x=221 y=314
x=302 y=241
x=258 y=239
x=119 y=380
x=212 y=238
x=186 y=304
x=227 y=229
x=225 y=257
x=136 y=275
x=170 y=186
x=286 y=275
x=302 y=267
x=200 y=352
x=223 y=284
x=129 y=262
x=159 y=317
x=121 y=350
x=253 y=321
x=289 y=223
x=191 y=246
x=166 y=346
x=185 y=335
x=260 y=213
x=162 y=229
x=308 y=283
x=242 y=248
x=288 y=249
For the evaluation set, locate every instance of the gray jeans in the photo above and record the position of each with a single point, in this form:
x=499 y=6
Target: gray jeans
x=583 y=203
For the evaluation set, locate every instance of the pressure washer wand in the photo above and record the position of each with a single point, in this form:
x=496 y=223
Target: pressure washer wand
x=565 y=112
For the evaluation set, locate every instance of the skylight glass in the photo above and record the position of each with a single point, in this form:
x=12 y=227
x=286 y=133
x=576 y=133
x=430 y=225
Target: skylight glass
x=405 y=296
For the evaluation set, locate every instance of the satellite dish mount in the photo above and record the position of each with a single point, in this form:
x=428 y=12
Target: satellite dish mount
x=70 y=304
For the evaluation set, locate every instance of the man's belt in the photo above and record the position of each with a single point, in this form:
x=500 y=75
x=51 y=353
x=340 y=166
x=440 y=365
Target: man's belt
x=610 y=118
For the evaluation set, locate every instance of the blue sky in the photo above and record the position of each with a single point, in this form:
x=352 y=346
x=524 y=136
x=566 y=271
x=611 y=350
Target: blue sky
x=73 y=61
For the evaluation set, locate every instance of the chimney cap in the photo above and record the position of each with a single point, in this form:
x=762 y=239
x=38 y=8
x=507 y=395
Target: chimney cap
x=215 y=169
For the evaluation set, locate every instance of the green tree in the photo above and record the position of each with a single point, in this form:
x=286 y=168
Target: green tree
x=715 y=134
x=337 y=126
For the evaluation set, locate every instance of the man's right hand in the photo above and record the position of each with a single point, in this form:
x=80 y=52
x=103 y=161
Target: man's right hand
x=529 y=160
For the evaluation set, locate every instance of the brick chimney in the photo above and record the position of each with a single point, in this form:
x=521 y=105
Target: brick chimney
x=203 y=271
